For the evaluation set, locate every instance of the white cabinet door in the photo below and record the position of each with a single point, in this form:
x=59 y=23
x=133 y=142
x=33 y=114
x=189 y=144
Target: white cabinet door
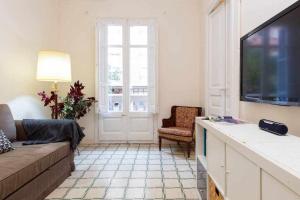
x=274 y=190
x=242 y=177
x=216 y=161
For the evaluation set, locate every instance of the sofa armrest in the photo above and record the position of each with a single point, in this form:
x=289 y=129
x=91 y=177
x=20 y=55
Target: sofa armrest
x=21 y=134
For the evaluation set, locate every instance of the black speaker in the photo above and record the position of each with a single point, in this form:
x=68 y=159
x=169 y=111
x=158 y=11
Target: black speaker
x=273 y=127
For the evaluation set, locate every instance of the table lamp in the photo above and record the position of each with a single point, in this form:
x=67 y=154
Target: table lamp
x=54 y=66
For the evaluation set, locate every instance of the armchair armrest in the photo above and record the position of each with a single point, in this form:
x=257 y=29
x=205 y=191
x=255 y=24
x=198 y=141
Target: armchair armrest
x=168 y=123
x=21 y=134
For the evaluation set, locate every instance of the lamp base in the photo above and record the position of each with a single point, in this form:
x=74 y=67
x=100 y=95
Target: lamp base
x=55 y=87
x=55 y=108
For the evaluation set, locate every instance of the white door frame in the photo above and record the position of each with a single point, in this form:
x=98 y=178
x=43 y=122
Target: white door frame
x=234 y=26
x=232 y=55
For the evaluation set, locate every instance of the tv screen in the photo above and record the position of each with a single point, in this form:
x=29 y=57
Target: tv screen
x=270 y=60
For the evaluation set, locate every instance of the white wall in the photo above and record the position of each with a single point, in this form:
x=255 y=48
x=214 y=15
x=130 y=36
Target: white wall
x=180 y=55
x=69 y=25
x=254 y=13
x=26 y=27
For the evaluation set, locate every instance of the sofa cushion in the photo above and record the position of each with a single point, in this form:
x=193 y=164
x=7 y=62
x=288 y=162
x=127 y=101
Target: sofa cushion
x=185 y=132
x=20 y=166
x=7 y=123
x=5 y=144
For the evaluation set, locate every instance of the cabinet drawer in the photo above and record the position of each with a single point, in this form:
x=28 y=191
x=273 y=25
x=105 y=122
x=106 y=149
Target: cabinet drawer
x=216 y=161
x=274 y=190
x=242 y=177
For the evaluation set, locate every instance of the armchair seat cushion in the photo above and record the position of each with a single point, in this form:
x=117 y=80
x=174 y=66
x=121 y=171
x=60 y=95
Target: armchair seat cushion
x=176 y=137
x=179 y=131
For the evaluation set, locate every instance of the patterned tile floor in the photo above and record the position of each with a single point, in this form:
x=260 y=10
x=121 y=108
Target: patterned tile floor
x=130 y=171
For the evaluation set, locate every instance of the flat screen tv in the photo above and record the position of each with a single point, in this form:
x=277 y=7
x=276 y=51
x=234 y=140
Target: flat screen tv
x=270 y=60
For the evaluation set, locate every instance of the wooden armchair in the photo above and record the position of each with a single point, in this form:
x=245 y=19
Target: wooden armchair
x=180 y=126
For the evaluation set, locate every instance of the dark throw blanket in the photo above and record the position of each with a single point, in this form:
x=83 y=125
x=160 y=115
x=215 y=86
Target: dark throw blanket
x=48 y=131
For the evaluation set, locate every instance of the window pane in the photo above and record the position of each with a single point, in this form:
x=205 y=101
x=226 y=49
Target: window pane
x=138 y=35
x=139 y=99
x=115 y=99
x=115 y=79
x=138 y=80
x=138 y=66
x=114 y=35
x=115 y=66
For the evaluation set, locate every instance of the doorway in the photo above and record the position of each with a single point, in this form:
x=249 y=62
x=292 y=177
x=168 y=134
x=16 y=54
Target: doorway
x=222 y=58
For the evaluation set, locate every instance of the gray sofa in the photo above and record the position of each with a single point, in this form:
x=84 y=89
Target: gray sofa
x=31 y=172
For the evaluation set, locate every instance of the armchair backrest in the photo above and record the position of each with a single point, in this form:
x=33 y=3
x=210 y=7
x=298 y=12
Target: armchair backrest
x=7 y=123
x=185 y=116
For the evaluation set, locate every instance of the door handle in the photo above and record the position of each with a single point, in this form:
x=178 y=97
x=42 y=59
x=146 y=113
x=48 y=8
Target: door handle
x=123 y=115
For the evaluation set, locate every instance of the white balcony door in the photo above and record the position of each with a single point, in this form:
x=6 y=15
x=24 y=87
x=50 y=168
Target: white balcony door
x=127 y=80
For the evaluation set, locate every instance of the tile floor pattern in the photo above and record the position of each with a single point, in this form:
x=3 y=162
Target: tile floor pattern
x=130 y=171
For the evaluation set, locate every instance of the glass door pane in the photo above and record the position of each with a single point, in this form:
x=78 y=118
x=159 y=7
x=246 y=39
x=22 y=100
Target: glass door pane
x=115 y=79
x=136 y=93
x=114 y=35
x=138 y=35
x=138 y=81
x=115 y=68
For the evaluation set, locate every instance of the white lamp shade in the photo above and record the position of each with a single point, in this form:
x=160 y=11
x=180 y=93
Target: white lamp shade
x=54 y=66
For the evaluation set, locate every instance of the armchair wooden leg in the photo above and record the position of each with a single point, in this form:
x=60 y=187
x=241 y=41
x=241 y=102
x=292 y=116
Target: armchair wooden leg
x=189 y=149
x=159 y=141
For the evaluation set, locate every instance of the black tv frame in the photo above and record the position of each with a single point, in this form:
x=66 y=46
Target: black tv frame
x=265 y=24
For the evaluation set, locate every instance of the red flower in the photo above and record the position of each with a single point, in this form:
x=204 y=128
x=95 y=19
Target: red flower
x=80 y=105
x=47 y=100
x=76 y=91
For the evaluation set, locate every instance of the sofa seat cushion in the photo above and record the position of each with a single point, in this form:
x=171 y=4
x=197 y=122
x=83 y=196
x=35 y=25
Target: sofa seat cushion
x=185 y=132
x=20 y=166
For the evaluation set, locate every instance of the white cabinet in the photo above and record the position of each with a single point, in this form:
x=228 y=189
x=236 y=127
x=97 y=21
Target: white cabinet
x=216 y=161
x=246 y=163
x=242 y=177
x=274 y=190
